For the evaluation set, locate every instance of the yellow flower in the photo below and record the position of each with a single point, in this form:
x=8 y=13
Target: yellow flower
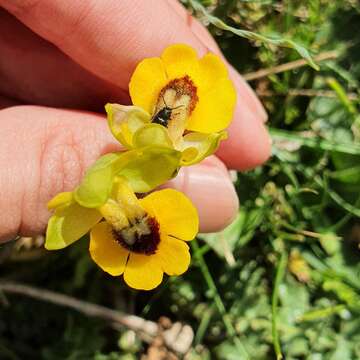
x=140 y=238
x=76 y=212
x=180 y=101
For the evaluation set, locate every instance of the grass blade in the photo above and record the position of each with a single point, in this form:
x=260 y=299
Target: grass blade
x=302 y=51
x=218 y=301
x=316 y=143
x=280 y=272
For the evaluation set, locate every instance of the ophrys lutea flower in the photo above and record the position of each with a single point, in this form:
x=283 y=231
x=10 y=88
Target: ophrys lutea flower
x=179 y=101
x=139 y=238
x=142 y=239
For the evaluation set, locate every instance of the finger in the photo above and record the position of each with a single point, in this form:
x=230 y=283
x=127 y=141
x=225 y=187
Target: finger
x=7 y=102
x=202 y=34
x=201 y=183
x=44 y=151
x=248 y=143
x=44 y=75
x=120 y=34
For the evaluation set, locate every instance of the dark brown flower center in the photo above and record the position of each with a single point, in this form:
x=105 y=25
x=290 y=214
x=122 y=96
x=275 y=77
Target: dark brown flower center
x=180 y=88
x=174 y=105
x=142 y=237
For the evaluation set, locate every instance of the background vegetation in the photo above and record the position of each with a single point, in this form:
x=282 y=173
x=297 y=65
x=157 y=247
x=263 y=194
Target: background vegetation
x=284 y=277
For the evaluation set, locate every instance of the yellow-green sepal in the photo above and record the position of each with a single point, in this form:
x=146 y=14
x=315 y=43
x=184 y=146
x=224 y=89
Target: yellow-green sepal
x=197 y=146
x=152 y=134
x=148 y=167
x=124 y=121
x=145 y=168
x=68 y=224
x=96 y=185
x=60 y=200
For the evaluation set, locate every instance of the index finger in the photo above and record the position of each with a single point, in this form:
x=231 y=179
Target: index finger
x=110 y=37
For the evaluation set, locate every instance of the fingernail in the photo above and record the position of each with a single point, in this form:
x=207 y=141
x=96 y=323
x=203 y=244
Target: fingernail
x=212 y=193
x=247 y=96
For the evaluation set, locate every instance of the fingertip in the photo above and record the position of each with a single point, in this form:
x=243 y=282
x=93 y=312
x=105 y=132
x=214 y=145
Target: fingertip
x=247 y=96
x=248 y=144
x=209 y=186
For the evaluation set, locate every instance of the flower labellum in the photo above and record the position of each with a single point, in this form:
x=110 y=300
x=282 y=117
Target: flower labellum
x=142 y=239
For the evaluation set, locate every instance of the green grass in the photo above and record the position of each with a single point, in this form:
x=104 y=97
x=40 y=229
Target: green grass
x=287 y=283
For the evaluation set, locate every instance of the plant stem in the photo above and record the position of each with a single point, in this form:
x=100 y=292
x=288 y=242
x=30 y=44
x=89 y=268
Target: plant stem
x=280 y=272
x=289 y=66
x=218 y=301
x=204 y=323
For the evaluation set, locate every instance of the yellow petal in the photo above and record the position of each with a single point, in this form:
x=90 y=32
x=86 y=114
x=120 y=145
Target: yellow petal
x=197 y=146
x=105 y=251
x=180 y=60
x=212 y=69
x=143 y=272
x=175 y=213
x=173 y=254
x=215 y=108
x=146 y=82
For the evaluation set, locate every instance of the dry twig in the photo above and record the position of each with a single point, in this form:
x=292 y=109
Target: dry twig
x=147 y=330
x=309 y=93
x=327 y=55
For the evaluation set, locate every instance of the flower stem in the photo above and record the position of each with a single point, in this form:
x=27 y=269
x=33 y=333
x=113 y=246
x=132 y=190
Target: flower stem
x=218 y=301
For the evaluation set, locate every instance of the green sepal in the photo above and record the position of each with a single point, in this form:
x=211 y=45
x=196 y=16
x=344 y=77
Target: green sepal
x=60 y=200
x=145 y=168
x=96 y=185
x=148 y=167
x=69 y=224
x=124 y=121
x=152 y=134
x=197 y=146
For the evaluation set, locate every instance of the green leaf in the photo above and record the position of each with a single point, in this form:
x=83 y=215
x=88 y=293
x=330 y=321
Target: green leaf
x=238 y=233
x=96 y=185
x=315 y=142
x=223 y=242
x=342 y=350
x=343 y=291
x=349 y=175
x=69 y=224
x=330 y=242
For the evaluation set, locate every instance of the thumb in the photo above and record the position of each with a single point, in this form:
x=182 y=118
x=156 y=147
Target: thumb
x=43 y=151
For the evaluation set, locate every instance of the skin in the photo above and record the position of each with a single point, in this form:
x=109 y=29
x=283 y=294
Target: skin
x=61 y=61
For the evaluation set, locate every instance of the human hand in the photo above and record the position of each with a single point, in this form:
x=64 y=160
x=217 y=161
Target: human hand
x=78 y=55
